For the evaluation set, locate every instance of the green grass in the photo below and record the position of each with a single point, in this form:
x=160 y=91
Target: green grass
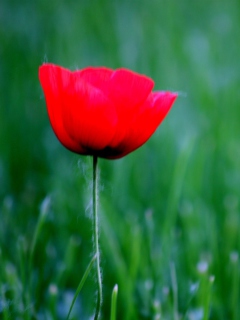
x=169 y=212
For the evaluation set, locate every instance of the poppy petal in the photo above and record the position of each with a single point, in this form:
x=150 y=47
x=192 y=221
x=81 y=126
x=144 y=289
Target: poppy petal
x=54 y=80
x=96 y=76
x=89 y=117
x=128 y=91
x=152 y=113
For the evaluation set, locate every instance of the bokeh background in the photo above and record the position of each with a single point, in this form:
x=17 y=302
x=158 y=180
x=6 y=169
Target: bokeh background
x=169 y=212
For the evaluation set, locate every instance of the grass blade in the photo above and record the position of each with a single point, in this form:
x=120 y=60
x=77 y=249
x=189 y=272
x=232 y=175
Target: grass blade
x=79 y=288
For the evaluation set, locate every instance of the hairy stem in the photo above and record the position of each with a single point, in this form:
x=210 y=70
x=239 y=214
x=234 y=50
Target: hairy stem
x=96 y=237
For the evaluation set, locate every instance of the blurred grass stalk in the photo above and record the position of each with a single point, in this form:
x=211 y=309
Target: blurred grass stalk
x=114 y=303
x=206 y=282
x=25 y=274
x=82 y=281
x=4 y=302
x=175 y=290
x=234 y=258
x=27 y=277
x=110 y=242
x=42 y=217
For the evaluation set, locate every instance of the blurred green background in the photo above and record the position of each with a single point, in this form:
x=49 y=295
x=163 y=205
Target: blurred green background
x=169 y=212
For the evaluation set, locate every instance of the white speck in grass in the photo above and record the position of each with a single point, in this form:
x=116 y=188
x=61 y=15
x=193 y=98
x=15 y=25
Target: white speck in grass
x=115 y=289
x=195 y=314
x=148 y=284
x=202 y=266
x=165 y=291
x=53 y=289
x=194 y=287
x=149 y=214
x=8 y=202
x=45 y=205
x=234 y=256
x=211 y=278
x=156 y=304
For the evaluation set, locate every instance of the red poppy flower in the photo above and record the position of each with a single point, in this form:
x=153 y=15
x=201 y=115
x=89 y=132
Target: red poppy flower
x=102 y=112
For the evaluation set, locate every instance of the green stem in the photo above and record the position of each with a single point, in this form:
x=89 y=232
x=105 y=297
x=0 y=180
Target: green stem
x=96 y=236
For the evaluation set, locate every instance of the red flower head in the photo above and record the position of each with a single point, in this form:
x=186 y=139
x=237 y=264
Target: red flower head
x=102 y=112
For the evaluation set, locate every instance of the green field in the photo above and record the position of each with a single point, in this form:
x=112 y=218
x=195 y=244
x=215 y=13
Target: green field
x=170 y=211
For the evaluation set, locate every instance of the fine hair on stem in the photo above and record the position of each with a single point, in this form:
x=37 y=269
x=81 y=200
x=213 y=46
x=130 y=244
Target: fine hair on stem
x=96 y=237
